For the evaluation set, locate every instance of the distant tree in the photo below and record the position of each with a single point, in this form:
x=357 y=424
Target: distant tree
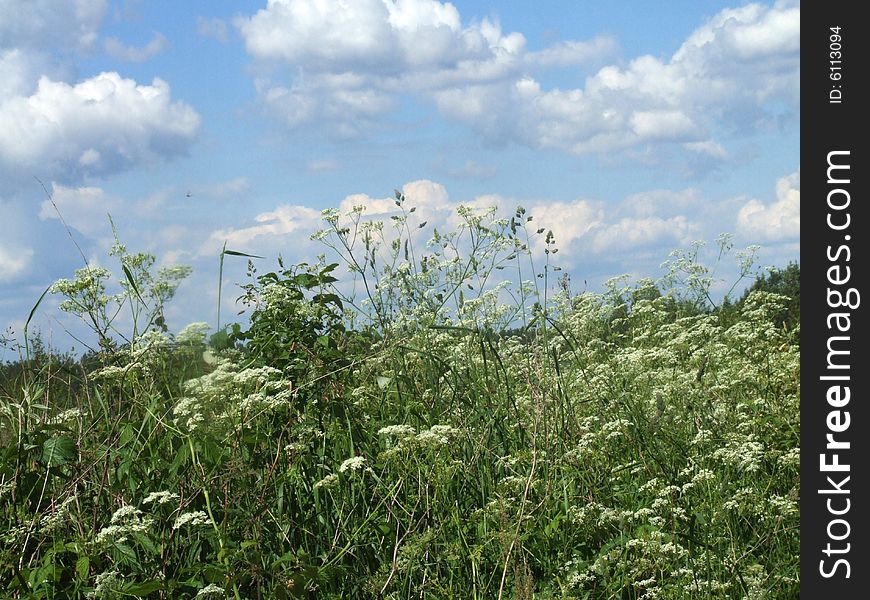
x=786 y=282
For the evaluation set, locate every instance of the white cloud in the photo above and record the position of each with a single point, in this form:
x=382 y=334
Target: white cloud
x=568 y=221
x=284 y=220
x=636 y=233
x=101 y=125
x=585 y=230
x=350 y=62
x=727 y=70
x=84 y=208
x=38 y=23
x=372 y=206
x=14 y=262
x=117 y=49
x=353 y=60
x=778 y=222
x=426 y=194
x=20 y=69
x=572 y=53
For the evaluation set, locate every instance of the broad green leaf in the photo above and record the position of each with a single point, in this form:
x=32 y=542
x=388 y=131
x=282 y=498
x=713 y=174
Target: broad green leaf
x=83 y=568
x=58 y=451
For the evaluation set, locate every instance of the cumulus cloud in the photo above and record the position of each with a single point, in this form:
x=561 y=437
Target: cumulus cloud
x=14 y=261
x=56 y=127
x=273 y=225
x=569 y=221
x=20 y=70
x=778 y=221
x=117 y=49
x=84 y=208
x=585 y=229
x=727 y=70
x=351 y=61
x=573 y=53
x=637 y=233
x=101 y=125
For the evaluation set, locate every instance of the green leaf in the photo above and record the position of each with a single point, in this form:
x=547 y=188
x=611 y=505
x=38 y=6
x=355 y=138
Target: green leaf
x=32 y=312
x=126 y=551
x=58 y=451
x=132 y=283
x=237 y=253
x=144 y=588
x=83 y=568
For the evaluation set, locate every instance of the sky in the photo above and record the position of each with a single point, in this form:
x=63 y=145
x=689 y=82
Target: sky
x=628 y=128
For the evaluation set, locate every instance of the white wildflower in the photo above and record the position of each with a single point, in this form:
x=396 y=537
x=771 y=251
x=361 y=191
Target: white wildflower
x=72 y=414
x=399 y=431
x=327 y=482
x=159 y=497
x=125 y=513
x=193 y=334
x=211 y=591
x=111 y=533
x=52 y=520
x=106 y=585
x=126 y=520
x=193 y=518
x=437 y=435
x=354 y=463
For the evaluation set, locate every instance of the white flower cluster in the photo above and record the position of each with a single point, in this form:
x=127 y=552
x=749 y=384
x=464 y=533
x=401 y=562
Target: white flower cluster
x=406 y=438
x=329 y=481
x=397 y=431
x=107 y=585
x=212 y=591
x=51 y=521
x=64 y=417
x=126 y=520
x=228 y=393
x=193 y=334
x=354 y=463
x=192 y=519
x=160 y=497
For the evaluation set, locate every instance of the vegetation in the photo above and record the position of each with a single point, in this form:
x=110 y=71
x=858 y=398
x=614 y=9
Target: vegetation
x=439 y=424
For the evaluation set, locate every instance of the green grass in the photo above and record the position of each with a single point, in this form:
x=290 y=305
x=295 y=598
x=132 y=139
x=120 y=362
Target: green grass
x=428 y=437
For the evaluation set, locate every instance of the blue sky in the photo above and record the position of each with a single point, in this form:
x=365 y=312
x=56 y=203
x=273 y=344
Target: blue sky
x=628 y=128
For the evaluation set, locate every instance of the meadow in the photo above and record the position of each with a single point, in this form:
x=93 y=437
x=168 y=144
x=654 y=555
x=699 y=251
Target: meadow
x=432 y=415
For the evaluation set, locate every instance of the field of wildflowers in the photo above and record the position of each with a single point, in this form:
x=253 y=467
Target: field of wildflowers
x=442 y=419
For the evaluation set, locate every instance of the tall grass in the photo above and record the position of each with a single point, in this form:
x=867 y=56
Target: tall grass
x=453 y=428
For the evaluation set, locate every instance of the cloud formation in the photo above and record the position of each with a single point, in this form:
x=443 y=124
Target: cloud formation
x=13 y=261
x=38 y=23
x=55 y=127
x=84 y=208
x=101 y=125
x=779 y=221
x=349 y=62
